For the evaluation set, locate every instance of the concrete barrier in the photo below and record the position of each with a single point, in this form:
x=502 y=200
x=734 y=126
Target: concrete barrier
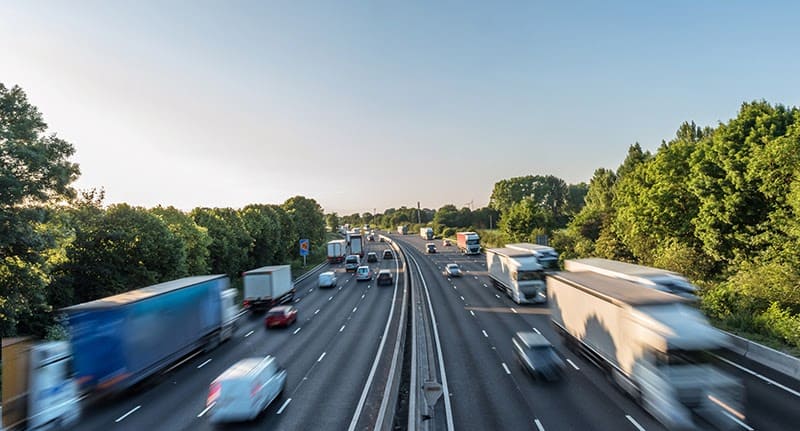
x=778 y=361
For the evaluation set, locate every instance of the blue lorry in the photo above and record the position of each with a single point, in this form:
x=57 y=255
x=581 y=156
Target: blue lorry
x=120 y=340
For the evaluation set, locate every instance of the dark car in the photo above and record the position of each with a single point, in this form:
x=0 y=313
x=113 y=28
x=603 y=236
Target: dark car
x=537 y=356
x=284 y=315
x=387 y=254
x=372 y=257
x=385 y=277
x=430 y=248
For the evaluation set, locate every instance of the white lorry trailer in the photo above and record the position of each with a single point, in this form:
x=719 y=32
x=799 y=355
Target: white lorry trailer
x=517 y=273
x=39 y=389
x=546 y=256
x=426 y=233
x=267 y=286
x=653 y=345
x=337 y=249
x=468 y=242
x=402 y=230
x=356 y=244
x=661 y=279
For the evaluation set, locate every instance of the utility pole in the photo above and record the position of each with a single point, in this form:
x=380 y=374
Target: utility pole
x=419 y=216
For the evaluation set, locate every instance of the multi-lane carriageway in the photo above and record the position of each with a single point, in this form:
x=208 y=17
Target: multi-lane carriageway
x=340 y=354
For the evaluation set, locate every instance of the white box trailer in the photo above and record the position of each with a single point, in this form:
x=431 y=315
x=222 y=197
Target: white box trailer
x=546 y=256
x=468 y=242
x=267 y=286
x=426 y=233
x=661 y=279
x=654 y=345
x=518 y=273
x=337 y=249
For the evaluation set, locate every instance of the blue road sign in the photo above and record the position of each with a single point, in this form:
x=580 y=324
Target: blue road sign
x=304 y=247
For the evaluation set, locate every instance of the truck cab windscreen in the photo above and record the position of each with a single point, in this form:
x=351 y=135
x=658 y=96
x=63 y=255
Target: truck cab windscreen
x=549 y=264
x=473 y=241
x=685 y=357
x=527 y=275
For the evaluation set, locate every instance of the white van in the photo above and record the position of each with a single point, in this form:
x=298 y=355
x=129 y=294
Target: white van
x=245 y=389
x=327 y=279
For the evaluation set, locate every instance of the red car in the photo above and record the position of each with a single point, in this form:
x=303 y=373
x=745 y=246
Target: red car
x=284 y=315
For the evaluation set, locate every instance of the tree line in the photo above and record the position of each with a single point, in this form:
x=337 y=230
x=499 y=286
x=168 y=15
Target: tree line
x=59 y=247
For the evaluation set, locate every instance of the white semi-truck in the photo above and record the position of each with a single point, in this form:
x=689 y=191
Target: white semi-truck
x=468 y=242
x=546 y=256
x=267 y=286
x=337 y=249
x=654 y=346
x=661 y=279
x=426 y=233
x=402 y=230
x=518 y=273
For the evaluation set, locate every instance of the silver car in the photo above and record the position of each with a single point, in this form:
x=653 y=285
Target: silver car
x=363 y=273
x=452 y=270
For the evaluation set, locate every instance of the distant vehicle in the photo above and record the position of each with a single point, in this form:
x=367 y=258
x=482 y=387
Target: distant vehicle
x=655 y=346
x=267 y=287
x=452 y=270
x=387 y=254
x=327 y=279
x=661 y=279
x=372 y=257
x=446 y=243
x=518 y=273
x=426 y=233
x=356 y=244
x=384 y=277
x=430 y=248
x=121 y=340
x=537 y=356
x=245 y=389
x=371 y=237
x=402 y=230
x=380 y=239
x=468 y=242
x=283 y=315
x=39 y=387
x=352 y=262
x=546 y=256
x=363 y=273
x=337 y=249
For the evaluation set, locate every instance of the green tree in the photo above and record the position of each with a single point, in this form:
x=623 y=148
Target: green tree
x=230 y=241
x=195 y=238
x=521 y=220
x=308 y=219
x=263 y=225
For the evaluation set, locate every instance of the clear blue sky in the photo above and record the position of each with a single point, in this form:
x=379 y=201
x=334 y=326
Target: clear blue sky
x=365 y=105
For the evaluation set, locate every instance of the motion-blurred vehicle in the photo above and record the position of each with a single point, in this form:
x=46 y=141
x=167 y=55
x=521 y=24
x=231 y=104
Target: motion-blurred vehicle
x=468 y=242
x=426 y=233
x=245 y=389
x=430 y=248
x=380 y=239
x=327 y=279
x=337 y=249
x=372 y=257
x=363 y=273
x=385 y=277
x=518 y=273
x=452 y=270
x=267 y=287
x=387 y=254
x=283 y=315
x=371 y=237
x=535 y=353
x=352 y=262
x=446 y=243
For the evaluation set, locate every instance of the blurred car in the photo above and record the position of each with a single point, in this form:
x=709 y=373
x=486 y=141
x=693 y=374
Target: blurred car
x=372 y=257
x=245 y=389
x=380 y=239
x=446 y=243
x=387 y=254
x=430 y=248
x=384 y=277
x=363 y=273
x=352 y=262
x=283 y=315
x=370 y=237
x=327 y=279
x=452 y=270
x=537 y=356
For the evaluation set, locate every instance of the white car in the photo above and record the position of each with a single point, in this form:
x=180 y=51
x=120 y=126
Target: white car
x=363 y=273
x=245 y=389
x=327 y=279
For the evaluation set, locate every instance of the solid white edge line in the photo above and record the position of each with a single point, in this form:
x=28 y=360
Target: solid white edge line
x=505 y=367
x=759 y=376
x=538 y=425
x=248 y=334
x=121 y=418
x=204 y=363
x=448 y=409
x=735 y=419
x=205 y=410
x=283 y=407
x=573 y=364
x=360 y=406
x=633 y=421
x=321 y=356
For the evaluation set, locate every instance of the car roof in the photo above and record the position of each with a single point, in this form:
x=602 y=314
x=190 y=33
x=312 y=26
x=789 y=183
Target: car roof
x=327 y=273
x=384 y=271
x=363 y=267
x=281 y=308
x=532 y=339
x=450 y=265
x=244 y=367
x=372 y=252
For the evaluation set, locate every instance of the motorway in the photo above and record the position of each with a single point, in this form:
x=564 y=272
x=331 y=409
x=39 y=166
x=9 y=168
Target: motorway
x=489 y=389
x=328 y=354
